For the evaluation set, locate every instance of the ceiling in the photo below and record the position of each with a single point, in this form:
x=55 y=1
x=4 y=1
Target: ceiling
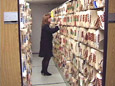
x=46 y=1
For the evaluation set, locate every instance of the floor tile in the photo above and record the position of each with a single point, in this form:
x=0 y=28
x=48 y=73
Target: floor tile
x=40 y=80
x=63 y=84
x=36 y=61
x=37 y=78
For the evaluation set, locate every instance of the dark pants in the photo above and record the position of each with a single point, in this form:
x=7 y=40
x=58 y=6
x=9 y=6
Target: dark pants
x=45 y=63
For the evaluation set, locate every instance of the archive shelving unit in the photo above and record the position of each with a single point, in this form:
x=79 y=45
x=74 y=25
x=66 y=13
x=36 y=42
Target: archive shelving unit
x=78 y=53
x=78 y=66
x=10 y=49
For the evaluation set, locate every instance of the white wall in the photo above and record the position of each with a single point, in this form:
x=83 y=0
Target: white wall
x=37 y=12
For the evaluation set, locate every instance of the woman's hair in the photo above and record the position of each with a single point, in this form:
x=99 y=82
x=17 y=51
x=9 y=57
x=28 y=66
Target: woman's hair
x=45 y=19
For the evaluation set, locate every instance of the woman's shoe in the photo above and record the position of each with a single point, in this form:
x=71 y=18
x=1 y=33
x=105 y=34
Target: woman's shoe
x=47 y=74
x=42 y=72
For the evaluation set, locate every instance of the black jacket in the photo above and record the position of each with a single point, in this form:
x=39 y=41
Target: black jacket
x=46 y=41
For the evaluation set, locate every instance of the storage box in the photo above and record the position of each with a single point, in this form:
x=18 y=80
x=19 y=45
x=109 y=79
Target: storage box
x=94 y=23
x=77 y=14
x=101 y=19
x=82 y=48
x=83 y=35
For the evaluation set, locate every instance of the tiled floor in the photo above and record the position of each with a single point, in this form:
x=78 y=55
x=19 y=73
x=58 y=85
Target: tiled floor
x=40 y=80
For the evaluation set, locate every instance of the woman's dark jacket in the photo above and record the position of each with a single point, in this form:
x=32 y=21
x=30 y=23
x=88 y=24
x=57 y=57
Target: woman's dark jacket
x=46 y=41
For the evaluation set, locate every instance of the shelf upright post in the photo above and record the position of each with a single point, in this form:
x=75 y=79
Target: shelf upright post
x=105 y=43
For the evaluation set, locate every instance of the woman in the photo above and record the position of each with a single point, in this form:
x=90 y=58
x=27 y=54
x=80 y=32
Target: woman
x=46 y=43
